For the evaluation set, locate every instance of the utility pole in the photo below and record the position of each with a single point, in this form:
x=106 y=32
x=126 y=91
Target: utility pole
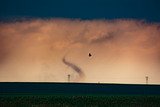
x=147 y=79
x=69 y=76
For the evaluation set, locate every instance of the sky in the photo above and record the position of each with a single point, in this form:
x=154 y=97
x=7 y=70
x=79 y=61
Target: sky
x=47 y=40
x=81 y=9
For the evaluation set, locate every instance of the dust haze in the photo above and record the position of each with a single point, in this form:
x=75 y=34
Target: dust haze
x=123 y=51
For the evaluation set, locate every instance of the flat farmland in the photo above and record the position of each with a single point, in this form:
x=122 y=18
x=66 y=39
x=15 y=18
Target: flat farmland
x=78 y=95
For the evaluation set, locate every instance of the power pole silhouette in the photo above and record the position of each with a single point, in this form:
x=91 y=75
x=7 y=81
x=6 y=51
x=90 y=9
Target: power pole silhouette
x=147 y=79
x=69 y=76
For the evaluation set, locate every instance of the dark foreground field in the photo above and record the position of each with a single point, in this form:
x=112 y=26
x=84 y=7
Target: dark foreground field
x=79 y=101
x=78 y=95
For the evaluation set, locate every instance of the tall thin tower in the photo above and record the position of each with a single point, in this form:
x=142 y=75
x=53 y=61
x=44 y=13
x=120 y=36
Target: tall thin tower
x=69 y=76
x=147 y=79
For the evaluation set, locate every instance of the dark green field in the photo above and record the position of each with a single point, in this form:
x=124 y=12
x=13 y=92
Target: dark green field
x=78 y=101
x=78 y=95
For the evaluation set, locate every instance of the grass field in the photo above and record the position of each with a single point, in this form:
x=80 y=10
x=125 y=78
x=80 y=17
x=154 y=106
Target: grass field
x=25 y=94
x=78 y=101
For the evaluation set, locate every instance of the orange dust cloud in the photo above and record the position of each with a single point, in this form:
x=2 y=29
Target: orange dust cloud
x=41 y=50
